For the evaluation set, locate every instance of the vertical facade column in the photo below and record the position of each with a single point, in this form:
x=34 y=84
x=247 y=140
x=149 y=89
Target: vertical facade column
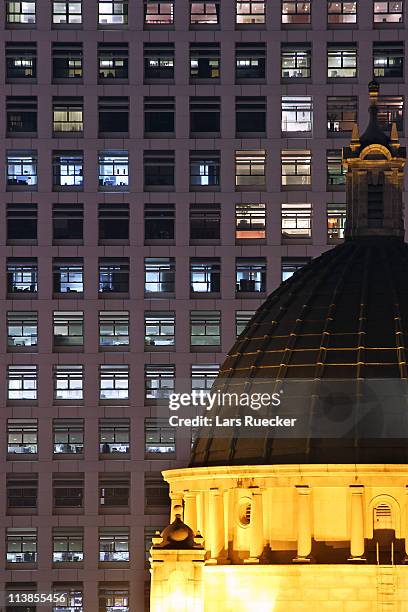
x=190 y=510
x=304 y=525
x=215 y=525
x=176 y=500
x=256 y=532
x=357 y=524
x=406 y=525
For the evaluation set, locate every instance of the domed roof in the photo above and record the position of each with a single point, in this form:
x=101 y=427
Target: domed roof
x=343 y=316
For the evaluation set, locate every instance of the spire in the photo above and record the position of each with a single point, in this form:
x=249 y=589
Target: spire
x=374 y=164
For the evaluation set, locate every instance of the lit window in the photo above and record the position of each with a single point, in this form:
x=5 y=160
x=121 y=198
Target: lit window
x=250 y=12
x=296 y=220
x=388 y=59
x=113 y=544
x=341 y=12
x=203 y=376
x=291 y=265
x=21 y=545
x=159 y=437
x=159 y=13
x=159 y=275
x=114 y=437
x=204 y=13
x=391 y=110
x=68 y=382
x=20 y=13
x=336 y=221
x=113 y=170
x=75 y=597
x=114 y=382
x=205 y=275
x=205 y=328
x=68 y=168
x=21 y=276
x=68 y=328
x=159 y=329
x=112 y=12
x=67 y=12
x=113 y=61
x=250 y=61
x=335 y=171
x=66 y=61
x=250 y=275
x=21 y=170
x=296 y=61
x=113 y=599
x=341 y=61
x=159 y=381
x=242 y=318
x=22 y=382
x=342 y=112
x=296 y=12
x=113 y=275
x=68 y=436
x=67 y=545
x=250 y=168
x=68 y=115
x=297 y=115
x=205 y=60
x=250 y=221
x=296 y=168
x=113 y=328
x=22 y=436
x=158 y=61
x=22 y=329
x=204 y=169
x=68 y=276
x=21 y=60
x=388 y=12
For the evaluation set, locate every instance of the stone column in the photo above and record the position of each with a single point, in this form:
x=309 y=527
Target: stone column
x=190 y=510
x=176 y=500
x=215 y=525
x=406 y=526
x=304 y=525
x=256 y=533
x=200 y=511
x=357 y=524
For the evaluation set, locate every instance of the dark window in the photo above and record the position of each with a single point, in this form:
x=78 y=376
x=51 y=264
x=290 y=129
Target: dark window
x=205 y=60
x=158 y=169
x=114 y=490
x=159 y=115
x=159 y=221
x=250 y=115
x=156 y=493
x=113 y=222
x=158 y=61
x=21 y=222
x=113 y=115
x=375 y=204
x=204 y=169
x=290 y=265
x=21 y=115
x=250 y=61
x=68 y=490
x=22 y=491
x=205 y=221
x=21 y=60
x=113 y=61
x=388 y=59
x=205 y=115
x=67 y=222
x=114 y=275
x=67 y=61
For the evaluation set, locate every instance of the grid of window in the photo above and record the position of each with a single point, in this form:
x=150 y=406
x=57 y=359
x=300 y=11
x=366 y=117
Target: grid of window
x=296 y=13
x=114 y=382
x=67 y=12
x=388 y=12
x=342 y=13
x=296 y=221
x=250 y=12
x=296 y=168
x=20 y=13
